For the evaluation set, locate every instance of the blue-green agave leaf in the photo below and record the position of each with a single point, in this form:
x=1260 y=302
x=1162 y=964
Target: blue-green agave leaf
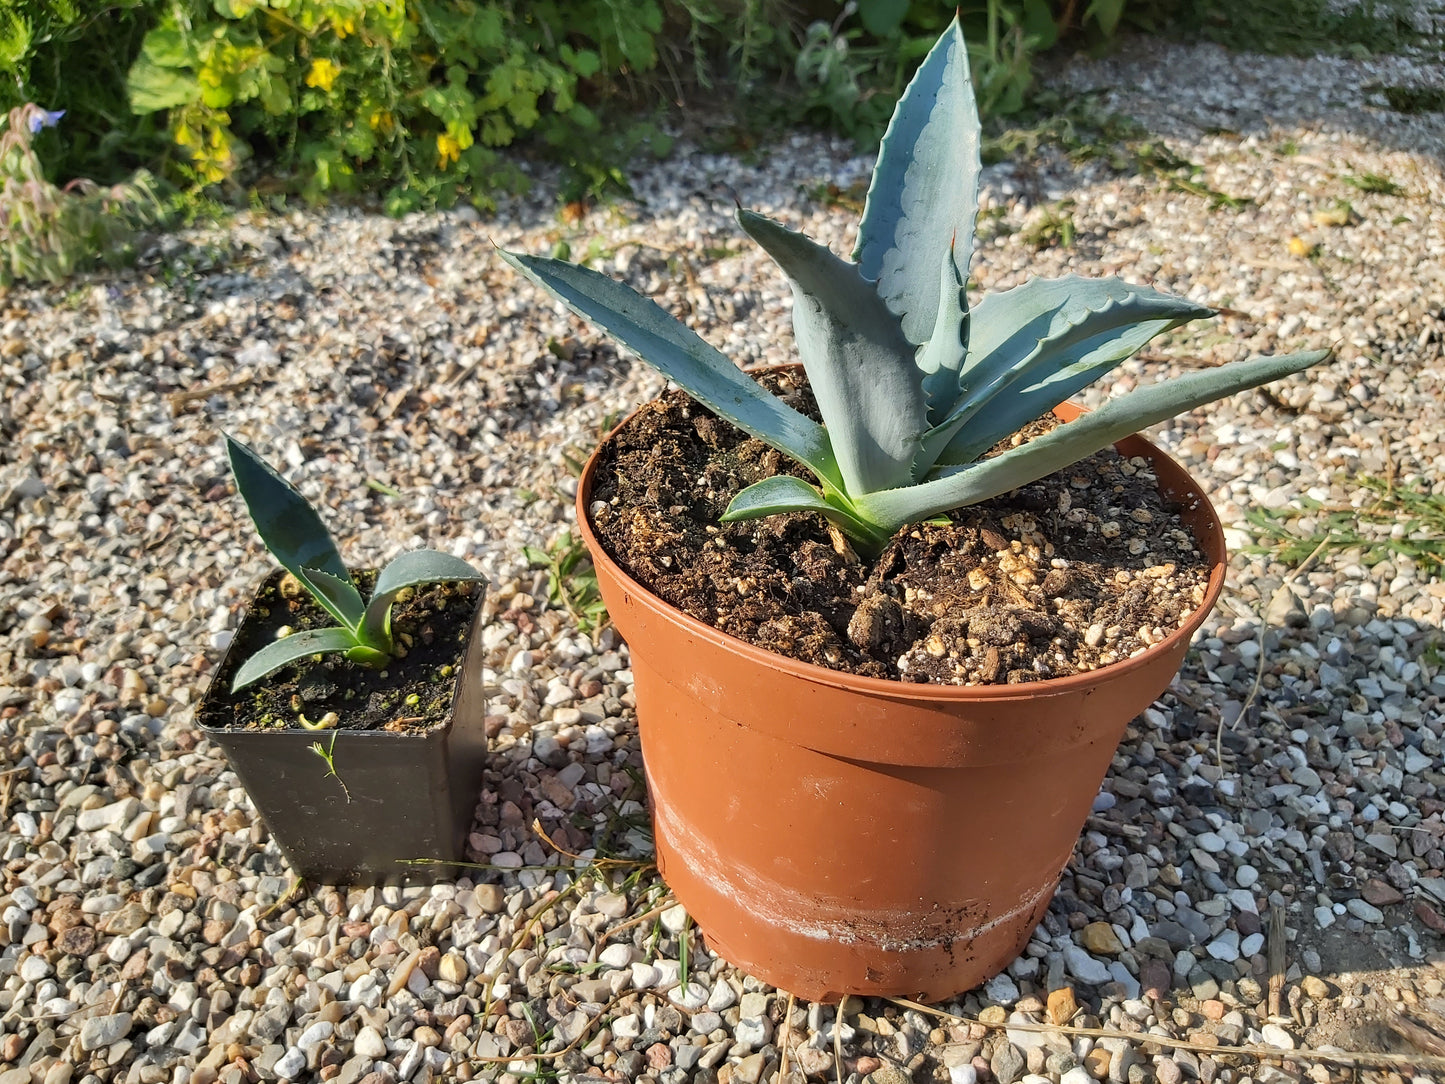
x=860 y=367
x=923 y=199
x=784 y=493
x=288 y=525
x=1069 y=443
x=1032 y=347
x=337 y=597
x=409 y=570
x=681 y=355
x=772 y=496
x=941 y=358
x=289 y=649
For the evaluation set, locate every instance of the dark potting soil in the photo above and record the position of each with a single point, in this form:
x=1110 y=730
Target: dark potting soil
x=432 y=625
x=1072 y=572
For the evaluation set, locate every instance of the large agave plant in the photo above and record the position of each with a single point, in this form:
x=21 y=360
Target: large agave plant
x=913 y=385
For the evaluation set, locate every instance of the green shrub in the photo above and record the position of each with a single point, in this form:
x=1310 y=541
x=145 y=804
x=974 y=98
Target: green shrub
x=73 y=55
x=413 y=98
x=852 y=69
x=46 y=233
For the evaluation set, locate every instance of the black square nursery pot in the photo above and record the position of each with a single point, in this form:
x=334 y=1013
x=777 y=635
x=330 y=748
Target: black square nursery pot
x=400 y=806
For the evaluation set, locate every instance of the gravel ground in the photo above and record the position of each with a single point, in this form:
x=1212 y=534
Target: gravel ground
x=151 y=930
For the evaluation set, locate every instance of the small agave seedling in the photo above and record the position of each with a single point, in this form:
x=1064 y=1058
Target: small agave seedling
x=913 y=385
x=294 y=534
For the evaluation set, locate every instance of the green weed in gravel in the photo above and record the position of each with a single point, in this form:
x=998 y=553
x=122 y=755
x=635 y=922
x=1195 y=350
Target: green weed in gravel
x=571 y=580
x=1401 y=521
x=1375 y=184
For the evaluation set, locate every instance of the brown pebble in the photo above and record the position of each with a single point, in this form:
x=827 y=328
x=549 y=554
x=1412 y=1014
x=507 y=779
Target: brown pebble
x=1096 y=1063
x=1156 y=978
x=1429 y=916
x=1063 y=1006
x=659 y=1055
x=429 y=961
x=1212 y=1009
x=864 y=1066
x=457 y=1026
x=1379 y=893
x=14 y=1047
x=76 y=941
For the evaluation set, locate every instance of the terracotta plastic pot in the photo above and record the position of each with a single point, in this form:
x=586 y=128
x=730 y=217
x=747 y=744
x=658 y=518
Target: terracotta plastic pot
x=837 y=835
x=408 y=796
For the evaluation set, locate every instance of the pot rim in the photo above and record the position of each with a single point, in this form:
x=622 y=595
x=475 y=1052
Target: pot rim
x=1204 y=524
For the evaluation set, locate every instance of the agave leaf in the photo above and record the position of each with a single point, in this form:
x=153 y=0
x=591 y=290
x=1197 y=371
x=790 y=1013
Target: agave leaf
x=288 y=525
x=682 y=356
x=287 y=650
x=1069 y=443
x=409 y=570
x=859 y=365
x=784 y=493
x=923 y=199
x=1039 y=343
x=772 y=496
x=337 y=597
x=941 y=358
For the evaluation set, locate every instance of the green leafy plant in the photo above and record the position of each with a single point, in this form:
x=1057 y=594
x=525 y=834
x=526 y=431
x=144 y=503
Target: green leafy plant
x=913 y=384
x=413 y=98
x=46 y=232
x=571 y=580
x=294 y=534
x=1400 y=521
x=850 y=72
x=73 y=56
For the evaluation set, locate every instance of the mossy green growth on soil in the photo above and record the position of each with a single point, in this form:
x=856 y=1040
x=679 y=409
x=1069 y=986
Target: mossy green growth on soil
x=413 y=692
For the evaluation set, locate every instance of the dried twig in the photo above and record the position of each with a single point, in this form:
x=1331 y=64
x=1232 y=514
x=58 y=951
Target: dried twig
x=1416 y=1033
x=666 y=904
x=1304 y=566
x=291 y=893
x=554 y=1054
x=838 y=1038
x=787 y=1034
x=179 y=400
x=1262 y=1053
x=1277 y=963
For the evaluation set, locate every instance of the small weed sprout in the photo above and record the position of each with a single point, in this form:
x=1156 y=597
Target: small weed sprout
x=571 y=580
x=294 y=534
x=328 y=754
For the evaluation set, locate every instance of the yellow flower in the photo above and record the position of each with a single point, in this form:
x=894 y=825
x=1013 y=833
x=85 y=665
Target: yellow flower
x=322 y=74
x=448 y=150
x=344 y=26
x=381 y=120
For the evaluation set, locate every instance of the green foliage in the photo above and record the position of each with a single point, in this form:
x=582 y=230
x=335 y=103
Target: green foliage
x=1397 y=521
x=413 y=98
x=73 y=55
x=914 y=384
x=294 y=534
x=1375 y=184
x=571 y=580
x=46 y=233
x=850 y=72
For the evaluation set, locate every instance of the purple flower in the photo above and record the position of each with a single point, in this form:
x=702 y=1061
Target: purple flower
x=45 y=118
